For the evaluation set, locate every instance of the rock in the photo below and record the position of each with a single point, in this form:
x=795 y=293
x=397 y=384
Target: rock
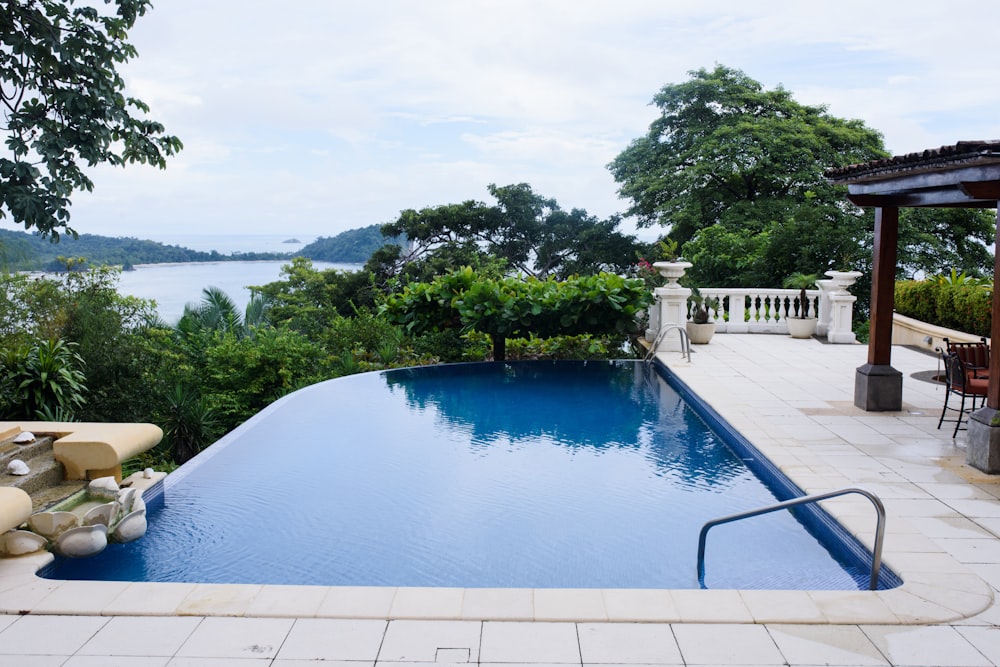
x=82 y=541
x=24 y=437
x=104 y=487
x=17 y=467
x=132 y=527
x=102 y=514
x=52 y=524
x=20 y=542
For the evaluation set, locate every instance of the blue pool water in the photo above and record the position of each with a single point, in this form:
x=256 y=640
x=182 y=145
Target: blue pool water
x=529 y=474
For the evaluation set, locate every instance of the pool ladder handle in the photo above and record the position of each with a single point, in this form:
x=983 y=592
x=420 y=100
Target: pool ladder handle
x=803 y=500
x=662 y=333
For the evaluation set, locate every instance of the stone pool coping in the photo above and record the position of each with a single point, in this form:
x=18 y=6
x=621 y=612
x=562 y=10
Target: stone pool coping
x=801 y=417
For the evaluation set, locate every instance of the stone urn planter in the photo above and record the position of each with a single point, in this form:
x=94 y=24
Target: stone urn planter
x=801 y=327
x=672 y=271
x=700 y=334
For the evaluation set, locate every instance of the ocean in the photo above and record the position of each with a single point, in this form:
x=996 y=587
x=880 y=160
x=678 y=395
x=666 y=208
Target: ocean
x=172 y=286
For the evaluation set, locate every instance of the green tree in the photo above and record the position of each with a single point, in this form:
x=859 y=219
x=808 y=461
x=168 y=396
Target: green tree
x=509 y=307
x=726 y=152
x=64 y=106
x=528 y=232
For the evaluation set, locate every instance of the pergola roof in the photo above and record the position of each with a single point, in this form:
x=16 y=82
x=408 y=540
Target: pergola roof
x=966 y=174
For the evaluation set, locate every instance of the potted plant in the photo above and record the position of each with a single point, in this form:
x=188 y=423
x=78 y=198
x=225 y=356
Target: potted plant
x=801 y=325
x=699 y=329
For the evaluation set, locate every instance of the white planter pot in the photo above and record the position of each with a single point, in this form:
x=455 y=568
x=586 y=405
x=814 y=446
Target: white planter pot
x=801 y=327
x=700 y=334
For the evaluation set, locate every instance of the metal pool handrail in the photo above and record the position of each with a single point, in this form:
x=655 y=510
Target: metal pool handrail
x=685 y=342
x=879 y=529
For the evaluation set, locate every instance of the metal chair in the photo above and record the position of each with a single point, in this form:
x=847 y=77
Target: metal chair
x=961 y=380
x=975 y=356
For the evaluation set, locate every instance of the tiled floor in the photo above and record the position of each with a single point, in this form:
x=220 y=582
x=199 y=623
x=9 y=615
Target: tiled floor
x=793 y=399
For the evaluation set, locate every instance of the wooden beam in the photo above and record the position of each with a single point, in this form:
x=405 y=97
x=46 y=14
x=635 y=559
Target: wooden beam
x=942 y=198
x=982 y=190
x=905 y=181
x=883 y=285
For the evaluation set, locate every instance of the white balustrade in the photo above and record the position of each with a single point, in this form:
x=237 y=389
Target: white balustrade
x=759 y=310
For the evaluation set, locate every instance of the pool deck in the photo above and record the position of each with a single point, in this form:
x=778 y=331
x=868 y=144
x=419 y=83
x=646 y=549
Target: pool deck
x=793 y=399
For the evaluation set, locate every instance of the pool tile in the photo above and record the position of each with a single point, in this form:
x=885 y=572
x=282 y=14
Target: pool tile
x=984 y=639
x=976 y=550
x=925 y=646
x=500 y=604
x=220 y=662
x=712 y=606
x=844 y=645
x=437 y=603
x=32 y=660
x=431 y=641
x=356 y=602
x=218 y=599
x=782 y=607
x=948 y=526
x=515 y=642
x=294 y=601
x=248 y=638
x=103 y=661
x=49 y=635
x=639 y=643
x=726 y=644
x=24 y=593
x=332 y=638
x=80 y=597
x=640 y=605
x=566 y=604
x=150 y=599
x=853 y=607
x=910 y=608
x=141 y=636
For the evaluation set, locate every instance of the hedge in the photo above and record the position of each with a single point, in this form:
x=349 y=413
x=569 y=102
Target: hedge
x=965 y=308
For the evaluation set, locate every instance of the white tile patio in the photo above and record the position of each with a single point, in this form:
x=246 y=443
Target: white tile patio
x=792 y=399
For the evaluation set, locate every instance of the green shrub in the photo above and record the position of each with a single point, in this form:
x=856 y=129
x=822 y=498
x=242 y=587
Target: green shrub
x=962 y=306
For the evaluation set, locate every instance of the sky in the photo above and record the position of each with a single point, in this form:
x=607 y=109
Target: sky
x=312 y=117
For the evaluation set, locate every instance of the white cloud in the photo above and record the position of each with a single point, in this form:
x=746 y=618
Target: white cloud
x=318 y=116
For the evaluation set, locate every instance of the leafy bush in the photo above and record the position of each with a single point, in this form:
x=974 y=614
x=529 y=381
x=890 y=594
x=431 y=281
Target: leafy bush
x=43 y=379
x=961 y=305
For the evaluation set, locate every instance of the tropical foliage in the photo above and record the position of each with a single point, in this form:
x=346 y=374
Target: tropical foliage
x=65 y=107
x=514 y=307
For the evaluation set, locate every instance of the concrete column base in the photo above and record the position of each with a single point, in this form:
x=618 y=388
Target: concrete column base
x=982 y=449
x=878 y=388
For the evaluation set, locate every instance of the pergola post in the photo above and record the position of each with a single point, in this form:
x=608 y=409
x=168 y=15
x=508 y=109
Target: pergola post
x=983 y=446
x=878 y=387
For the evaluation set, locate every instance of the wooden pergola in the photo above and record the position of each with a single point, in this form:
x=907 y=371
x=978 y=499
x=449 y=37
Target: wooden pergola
x=964 y=175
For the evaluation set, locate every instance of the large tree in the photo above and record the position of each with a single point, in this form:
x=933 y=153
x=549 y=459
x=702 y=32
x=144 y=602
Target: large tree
x=64 y=106
x=736 y=172
x=528 y=232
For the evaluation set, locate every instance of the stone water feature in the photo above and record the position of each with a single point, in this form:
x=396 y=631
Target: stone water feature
x=45 y=500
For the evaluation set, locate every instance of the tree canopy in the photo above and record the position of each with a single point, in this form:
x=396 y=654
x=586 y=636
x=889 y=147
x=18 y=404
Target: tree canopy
x=64 y=106
x=736 y=172
x=528 y=232
x=509 y=307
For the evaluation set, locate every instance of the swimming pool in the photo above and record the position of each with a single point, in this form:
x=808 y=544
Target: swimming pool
x=531 y=474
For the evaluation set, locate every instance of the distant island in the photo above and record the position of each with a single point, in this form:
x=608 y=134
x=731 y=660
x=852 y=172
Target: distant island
x=21 y=251
x=293 y=240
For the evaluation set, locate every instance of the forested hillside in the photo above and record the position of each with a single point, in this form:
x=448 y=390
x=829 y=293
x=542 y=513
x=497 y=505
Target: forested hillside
x=355 y=246
x=21 y=251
